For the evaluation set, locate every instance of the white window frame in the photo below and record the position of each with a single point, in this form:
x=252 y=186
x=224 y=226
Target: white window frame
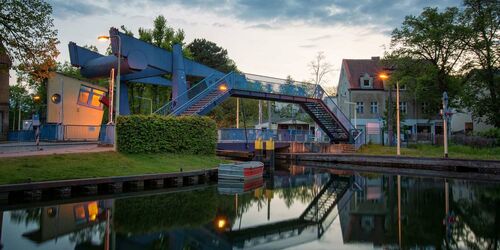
x=374 y=107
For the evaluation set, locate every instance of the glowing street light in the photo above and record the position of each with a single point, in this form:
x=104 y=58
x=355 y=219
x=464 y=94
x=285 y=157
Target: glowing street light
x=106 y=38
x=385 y=76
x=223 y=87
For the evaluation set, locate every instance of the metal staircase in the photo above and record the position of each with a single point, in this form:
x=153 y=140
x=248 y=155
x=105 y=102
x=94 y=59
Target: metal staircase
x=213 y=90
x=326 y=120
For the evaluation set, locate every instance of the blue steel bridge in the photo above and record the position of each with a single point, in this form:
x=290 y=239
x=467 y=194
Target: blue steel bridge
x=145 y=63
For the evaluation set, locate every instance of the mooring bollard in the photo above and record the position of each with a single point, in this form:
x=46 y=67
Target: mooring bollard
x=270 y=154
x=258 y=150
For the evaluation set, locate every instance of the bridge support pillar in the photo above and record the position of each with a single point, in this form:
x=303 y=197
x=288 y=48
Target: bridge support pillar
x=179 y=85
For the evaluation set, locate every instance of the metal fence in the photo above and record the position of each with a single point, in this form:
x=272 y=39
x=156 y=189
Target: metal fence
x=282 y=135
x=56 y=132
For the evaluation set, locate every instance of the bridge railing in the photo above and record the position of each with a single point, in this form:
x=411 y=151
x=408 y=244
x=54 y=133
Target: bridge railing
x=282 y=135
x=294 y=88
x=190 y=94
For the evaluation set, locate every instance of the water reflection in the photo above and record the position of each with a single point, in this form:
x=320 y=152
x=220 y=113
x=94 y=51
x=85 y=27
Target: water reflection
x=300 y=208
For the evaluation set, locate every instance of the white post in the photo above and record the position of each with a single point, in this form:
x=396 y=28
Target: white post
x=397 y=120
x=260 y=112
x=111 y=95
x=445 y=124
x=19 y=122
x=237 y=112
x=117 y=91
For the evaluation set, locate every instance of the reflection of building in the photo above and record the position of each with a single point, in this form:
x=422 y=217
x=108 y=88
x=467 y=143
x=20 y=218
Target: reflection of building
x=64 y=219
x=5 y=64
x=76 y=105
x=364 y=218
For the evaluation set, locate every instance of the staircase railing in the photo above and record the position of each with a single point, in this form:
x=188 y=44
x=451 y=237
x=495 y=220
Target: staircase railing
x=200 y=93
x=189 y=94
x=295 y=88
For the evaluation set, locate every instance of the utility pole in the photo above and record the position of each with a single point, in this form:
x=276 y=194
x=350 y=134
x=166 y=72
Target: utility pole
x=445 y=124
x=397 y=120
x=237 y=112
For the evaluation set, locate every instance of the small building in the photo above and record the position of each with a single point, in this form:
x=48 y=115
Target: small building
x=76 y=106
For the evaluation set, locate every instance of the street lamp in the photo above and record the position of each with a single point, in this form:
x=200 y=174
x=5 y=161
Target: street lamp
x=355 y=111
x=106 y=38
x=384 y=77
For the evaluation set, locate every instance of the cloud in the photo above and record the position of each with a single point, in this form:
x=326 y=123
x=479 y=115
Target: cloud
x=308 y=46
x=219 y=25
x=320 y=38
x=66 y=9
x=262 y=26
x=372 y=13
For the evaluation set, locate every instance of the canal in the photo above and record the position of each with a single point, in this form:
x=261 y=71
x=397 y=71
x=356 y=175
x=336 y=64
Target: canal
x=297 y=208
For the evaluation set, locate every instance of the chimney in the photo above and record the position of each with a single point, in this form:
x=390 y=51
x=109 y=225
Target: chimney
x=376 y=58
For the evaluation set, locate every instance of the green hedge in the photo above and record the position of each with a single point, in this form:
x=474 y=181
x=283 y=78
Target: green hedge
x=164 y=134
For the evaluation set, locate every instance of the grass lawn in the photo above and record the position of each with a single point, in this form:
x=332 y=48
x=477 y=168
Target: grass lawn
x=87 y=165
x=422 y=150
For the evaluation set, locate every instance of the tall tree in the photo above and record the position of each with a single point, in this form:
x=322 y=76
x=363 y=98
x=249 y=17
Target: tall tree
x=320 y=68
x=482 y=82
x=212 y=55
x=437 y=38
x=28 y=36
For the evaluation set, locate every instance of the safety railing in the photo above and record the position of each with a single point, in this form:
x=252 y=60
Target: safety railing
x=294 y=88
x=188 y=95
x=192 y=95
x=358 y=138
x=281 y=135
x=81 y=132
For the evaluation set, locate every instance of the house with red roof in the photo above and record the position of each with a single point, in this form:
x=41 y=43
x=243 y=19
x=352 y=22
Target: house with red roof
x=361 y=90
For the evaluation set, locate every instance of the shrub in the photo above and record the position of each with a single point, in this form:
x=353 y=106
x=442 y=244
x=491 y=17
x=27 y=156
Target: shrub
x=491 y=133
x=165 y=134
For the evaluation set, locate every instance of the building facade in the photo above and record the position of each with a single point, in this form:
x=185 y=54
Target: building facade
x=363 y=96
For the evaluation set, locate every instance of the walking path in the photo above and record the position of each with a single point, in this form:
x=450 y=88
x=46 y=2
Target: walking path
x=19 y=149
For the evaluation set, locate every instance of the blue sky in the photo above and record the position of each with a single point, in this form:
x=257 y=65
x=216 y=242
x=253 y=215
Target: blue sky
x=275 y=38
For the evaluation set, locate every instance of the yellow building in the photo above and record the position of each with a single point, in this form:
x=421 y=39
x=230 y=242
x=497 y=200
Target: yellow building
x=76 y=106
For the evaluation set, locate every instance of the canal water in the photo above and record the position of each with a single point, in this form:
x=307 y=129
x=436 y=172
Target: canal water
x=296 y=208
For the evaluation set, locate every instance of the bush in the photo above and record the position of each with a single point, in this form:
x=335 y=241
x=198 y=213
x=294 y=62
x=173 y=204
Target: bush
x=165 y=134
x=491 y=133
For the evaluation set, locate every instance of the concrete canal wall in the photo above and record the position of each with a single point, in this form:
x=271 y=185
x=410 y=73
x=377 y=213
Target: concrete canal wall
x=36 y=191
x=455 y=165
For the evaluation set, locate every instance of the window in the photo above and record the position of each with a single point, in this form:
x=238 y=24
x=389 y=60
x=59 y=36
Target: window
x=359 y=107
x=402 y=107
x=374 y=107
x=90 y=97
x=366 y=83
x=424 y=107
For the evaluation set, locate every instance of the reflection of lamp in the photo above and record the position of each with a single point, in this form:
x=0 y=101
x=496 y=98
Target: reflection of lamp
x=51 y=212
x=93 y=210
x=221 y=223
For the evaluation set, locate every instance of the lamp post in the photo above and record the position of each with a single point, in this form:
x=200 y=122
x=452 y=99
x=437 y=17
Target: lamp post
x=384 y=77
x=106 y=38
x=355 y=111
x=445 y=124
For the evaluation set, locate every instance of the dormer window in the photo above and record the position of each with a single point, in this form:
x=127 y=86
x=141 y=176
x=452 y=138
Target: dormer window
x=365 y=81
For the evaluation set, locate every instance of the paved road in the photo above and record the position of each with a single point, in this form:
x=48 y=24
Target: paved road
x=17 y=149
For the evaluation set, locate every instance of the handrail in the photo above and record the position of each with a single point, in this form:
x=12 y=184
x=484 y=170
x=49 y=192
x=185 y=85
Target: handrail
x=201 y=93
x=169 y=104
